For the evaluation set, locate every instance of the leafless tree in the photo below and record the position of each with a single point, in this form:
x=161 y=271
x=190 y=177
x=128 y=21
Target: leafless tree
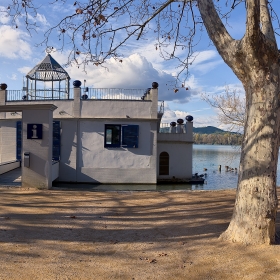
x=230 y=108
x=98 y=29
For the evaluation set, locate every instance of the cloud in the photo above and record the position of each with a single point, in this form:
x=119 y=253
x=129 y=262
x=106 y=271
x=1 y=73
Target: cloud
x=39 y=20
x=199 y=121
x=207 y=66
x=24 y=70
x=149 y=51
x=169 y=115
x=135 y=71
x=202 y=121
x=13 y=77
x=4 y=18
x=217 y=90
x=62 y=8
x=13 y=44
x=181 y=94
x=201 y=110
x=232 y=87
x=201 y=57
x=42 y=19
x=172 y=115
x=203 y=61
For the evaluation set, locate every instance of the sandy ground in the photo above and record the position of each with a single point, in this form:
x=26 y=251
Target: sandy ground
x=66 y=234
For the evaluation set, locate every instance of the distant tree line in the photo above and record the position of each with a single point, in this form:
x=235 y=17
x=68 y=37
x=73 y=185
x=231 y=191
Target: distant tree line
x=218 y=138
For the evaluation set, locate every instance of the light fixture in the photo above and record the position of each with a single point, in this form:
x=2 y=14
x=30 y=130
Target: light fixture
x=62 y=112
x=13 y=113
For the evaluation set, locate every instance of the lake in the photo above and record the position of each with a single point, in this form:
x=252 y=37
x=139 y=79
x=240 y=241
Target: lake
x=210 y=157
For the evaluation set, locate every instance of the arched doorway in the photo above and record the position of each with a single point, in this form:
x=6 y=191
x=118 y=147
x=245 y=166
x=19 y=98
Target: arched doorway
x=164 y=163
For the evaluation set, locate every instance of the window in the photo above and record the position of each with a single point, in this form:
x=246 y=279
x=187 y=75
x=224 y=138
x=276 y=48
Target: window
x=112 y=135
x=117 y=136
x=164 y=163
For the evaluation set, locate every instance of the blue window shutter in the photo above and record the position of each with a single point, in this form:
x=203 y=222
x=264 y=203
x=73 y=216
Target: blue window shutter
x=130 y=134
x=56 y=140
x=19 y=140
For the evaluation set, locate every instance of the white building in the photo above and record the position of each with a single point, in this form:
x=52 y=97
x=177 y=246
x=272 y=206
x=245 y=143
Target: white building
x=92 y=136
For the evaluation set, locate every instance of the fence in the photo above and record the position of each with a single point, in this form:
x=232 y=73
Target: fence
x=114 y=93
x=92 y=93
x=39 y=94
x=166 y=128
x=62 y=94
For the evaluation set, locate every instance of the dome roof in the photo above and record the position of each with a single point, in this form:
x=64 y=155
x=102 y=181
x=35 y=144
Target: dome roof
x=48 y=70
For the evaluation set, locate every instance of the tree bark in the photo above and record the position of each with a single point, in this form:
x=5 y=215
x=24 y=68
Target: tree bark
x=253 y=220
x=254 y=60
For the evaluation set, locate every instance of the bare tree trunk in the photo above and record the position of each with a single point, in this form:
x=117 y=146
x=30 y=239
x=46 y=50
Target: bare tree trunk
x=253 y=220
x=254 y=60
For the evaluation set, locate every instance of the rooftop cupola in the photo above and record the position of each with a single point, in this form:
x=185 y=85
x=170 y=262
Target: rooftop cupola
x=44 y=80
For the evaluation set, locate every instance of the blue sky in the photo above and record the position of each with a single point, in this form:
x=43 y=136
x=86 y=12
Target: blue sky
x=140 y=67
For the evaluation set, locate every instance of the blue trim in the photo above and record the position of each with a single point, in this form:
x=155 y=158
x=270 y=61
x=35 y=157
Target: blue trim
x=130 y=135
x=56 y=141
x=18 y=140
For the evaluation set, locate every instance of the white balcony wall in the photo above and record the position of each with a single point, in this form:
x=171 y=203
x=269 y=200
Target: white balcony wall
x=95 y=108
x=116 y=109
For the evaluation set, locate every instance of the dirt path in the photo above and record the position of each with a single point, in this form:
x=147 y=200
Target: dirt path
x=125 y=235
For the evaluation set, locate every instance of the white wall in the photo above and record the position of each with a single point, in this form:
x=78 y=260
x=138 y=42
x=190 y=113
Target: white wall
x=116 y=109
x=7 y=140
x=94 y=155
x=9 y=166
x=97 y=164
x=68 y=151
x=39 y=173
x=96 y=108
x=117 y=165
x=180 y=155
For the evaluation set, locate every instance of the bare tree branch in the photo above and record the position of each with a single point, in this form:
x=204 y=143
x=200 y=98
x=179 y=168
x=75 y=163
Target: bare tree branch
x=253 y=21
x=267 y=27
x=230 y=107
x=215 y=27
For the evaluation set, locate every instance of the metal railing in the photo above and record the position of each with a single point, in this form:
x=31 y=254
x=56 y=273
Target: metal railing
x=113 y=93
x=39 y=94
x=165 y=128
x=62 y=94
x=86 y=93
